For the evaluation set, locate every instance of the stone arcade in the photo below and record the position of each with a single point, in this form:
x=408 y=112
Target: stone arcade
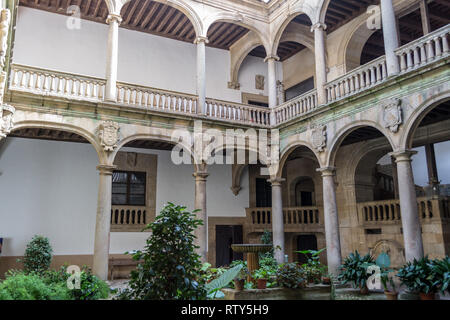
x=363 y=116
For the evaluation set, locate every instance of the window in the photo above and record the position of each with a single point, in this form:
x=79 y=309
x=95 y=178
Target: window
x=128 y=188
x=263 y=193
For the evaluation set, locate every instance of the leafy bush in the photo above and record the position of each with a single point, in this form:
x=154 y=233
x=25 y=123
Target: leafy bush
x=209 y=274
x=243 y=272
x=266 y=238
x=213 y=288
x=354 y=269
x=171 y=269
x=290 y=275
x=441 y=270
x=313 y=269
x=419 y=276
x=38 y=255
x=30 y=286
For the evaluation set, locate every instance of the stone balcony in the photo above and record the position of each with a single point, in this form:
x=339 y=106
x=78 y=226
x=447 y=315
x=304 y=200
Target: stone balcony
x=50 y=84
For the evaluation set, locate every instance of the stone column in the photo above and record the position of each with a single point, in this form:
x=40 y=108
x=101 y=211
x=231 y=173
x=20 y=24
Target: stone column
x=201 y=233
x=412 y=233
x=330 y=214
x=201 y=73
x=320 y=61
x=394 y=177
x=277 y=219
x=112 y=56
x=391 y=40
x=433 y=179
x=272 y=84
x=102 y=224
x=426 y=26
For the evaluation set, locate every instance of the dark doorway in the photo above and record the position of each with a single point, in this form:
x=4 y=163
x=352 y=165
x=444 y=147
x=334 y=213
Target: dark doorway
x=305 y=242
x=225 y=237
x=263 y=193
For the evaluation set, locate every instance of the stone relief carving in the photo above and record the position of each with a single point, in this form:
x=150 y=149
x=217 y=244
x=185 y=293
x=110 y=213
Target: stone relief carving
x=319 y=137
x=109 y=135
x=259 y=82
x=6 y=120
x=392 y=114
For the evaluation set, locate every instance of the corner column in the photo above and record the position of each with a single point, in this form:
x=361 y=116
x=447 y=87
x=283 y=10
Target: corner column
x=391 y=40
x=102 y=224
x=201 y=73
x=412 y=233
x=112 y=57
x=332 y=235
x=320 y=61
x=272 y=84
x=277 y=219
x=201 y=233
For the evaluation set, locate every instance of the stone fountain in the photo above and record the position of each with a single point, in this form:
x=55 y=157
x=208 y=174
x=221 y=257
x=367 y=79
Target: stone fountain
x=252 y=251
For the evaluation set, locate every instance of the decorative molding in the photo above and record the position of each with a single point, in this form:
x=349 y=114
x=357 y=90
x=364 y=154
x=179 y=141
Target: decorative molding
x=319 y=137
x=392 y=115
x=319 y=25
x=259 y=82
x=234 y=85
x=109 y=135
x=6 y=120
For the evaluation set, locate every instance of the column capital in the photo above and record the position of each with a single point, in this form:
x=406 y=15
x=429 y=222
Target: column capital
x=403 y=155
x=276 y=181
x=106 y=169
x=200 y=39
x=200 y=176
x=114 y=17
x=327 y=171
x=272 y=57
x=319 y=26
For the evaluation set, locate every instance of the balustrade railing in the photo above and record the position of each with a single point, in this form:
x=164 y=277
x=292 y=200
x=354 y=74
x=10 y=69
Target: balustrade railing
x=59 y=84
x=359 y=79
x=237 y=112
x=296 y=107
x=388 y=211
x=295 y=216
x=128 y=218
x=424 y=50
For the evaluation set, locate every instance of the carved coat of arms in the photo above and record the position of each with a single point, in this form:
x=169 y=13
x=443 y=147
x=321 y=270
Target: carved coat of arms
x=392 y=115
x=259 y=82
x=6 y=120
x=319 y=137
x=109 y=135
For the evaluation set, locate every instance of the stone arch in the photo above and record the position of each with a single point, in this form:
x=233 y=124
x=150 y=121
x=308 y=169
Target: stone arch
x=416 y=117
x=85 y=133
x=340 y=136
x=289 y=149
x=297 y=9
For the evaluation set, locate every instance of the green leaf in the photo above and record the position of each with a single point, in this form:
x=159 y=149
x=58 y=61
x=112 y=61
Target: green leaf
x=223 y=280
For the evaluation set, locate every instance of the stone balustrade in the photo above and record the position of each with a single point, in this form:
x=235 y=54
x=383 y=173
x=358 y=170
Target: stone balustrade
x=424 y=50
x=295 y=218
x=57 y=84
x=229 y=111
x=299 y=106
x=388 y=211
x=128 y=218
x=357 y=80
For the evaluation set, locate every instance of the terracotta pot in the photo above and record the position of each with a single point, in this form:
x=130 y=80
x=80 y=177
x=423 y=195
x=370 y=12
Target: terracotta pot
x=391 y=295
x=364 y=290
x=427 y=296
x=326 y=280
x=261 y=283
x=239 y=284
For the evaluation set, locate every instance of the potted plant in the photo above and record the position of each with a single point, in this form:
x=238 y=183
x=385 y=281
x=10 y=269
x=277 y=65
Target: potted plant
x=326 y=279
x=290 y=275
x=354 y=270
x=239 y=280
x=262 y=275
x=313 y=269
x=384 y=262
x=419 y=276
x=441 y=269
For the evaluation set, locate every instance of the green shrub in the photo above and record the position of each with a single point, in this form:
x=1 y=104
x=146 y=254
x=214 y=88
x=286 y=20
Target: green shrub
x=22 y=286
x=419 y=276
x=441 y=270
x=354 y=269
x=171 y=269
x=38 y=255
x=290 y=275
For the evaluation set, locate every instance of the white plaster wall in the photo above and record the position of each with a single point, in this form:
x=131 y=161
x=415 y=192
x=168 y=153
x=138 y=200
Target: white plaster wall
x=298 y=68
x=43 y=40
x=50 y=188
